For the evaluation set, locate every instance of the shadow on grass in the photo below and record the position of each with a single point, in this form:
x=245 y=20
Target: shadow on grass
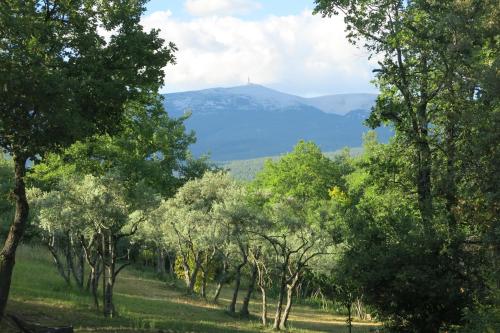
x=143 y=302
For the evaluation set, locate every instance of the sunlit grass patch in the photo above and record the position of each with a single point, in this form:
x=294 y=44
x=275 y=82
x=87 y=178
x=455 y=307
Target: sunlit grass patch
x=144 y=304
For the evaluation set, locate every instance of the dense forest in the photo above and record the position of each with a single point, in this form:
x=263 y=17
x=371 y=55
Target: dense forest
x=95 y=174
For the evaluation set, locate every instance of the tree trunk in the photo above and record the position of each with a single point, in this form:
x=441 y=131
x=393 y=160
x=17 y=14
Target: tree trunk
x=160 y=262
x=69 y=257
x=264 y=305
x=203 y=290
x=424 y=185
x=16 y=231
x=193 y=276
x=232 y=305
x=349 y=316
x=217 y=292
x=95 y=270
x=451 y=183
x=75 y=267
x=80 y=271
x=171 y=263
x=289 y=301
x=424 y=182
x=57 y=261
x=246 y=301
x=279 y=307
x=108 y=275
x=221 y=280
x=358 y=305
x=187 y=271
x=93 y=284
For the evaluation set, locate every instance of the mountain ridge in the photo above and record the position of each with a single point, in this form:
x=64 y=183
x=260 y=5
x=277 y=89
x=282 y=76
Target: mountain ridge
x=252 y=121
x=340 y=104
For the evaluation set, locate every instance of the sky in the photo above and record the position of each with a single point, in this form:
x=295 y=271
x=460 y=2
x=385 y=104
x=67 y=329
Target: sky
x=275 y=43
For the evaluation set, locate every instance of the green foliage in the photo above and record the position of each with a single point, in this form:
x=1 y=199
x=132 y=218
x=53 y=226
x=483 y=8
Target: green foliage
x=148 y=152
x=416 y=205
x=484 y=318
x=195 y=221
x=305 y=175
x=416 y=280
x=246 y=170
x=6 y=184
x=83 y=207
x=180 y=271
x=62 y=80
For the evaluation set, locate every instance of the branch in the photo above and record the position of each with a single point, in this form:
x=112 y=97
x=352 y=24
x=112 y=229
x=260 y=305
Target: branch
x=119 y=270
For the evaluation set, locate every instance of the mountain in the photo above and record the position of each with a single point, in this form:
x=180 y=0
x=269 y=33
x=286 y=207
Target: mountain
x=253 y=121
x=343 y=103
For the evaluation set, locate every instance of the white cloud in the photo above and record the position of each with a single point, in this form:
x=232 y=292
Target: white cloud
x=301 y=54
x=220 y=7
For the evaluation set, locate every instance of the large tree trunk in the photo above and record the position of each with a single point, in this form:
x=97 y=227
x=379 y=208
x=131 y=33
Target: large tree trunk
x=95 y=270
x=424 y=182
x=171 y=262
x=16 y=231
x=451 y=183
x=424 y=185
x=246 y=301
x=75 y=261
x=187 y=271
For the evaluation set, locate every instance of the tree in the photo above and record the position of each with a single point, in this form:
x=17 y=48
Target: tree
x=149 y=149
x=192 y=225
x=291 y=192
x=93 y=215
x=149 y=154
x=426 y=51
x=415 y=282
x=61 y=81
x=60 y=227
x=437 y=88
x=239 y=217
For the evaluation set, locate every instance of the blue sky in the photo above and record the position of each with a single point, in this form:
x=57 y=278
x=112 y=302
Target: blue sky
x=267 y=7
x=277 y=43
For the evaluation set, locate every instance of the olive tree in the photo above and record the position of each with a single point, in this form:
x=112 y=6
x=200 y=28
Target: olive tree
x=192 y=225
x=94 y=215
x=291 y=193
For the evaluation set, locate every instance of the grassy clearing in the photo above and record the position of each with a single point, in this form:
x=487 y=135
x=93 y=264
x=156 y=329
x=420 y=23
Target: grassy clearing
x=143 y=302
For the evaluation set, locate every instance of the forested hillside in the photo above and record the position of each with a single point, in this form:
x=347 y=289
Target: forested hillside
x=248 y=169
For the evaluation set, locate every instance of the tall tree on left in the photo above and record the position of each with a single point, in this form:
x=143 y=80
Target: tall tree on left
x=62 y=80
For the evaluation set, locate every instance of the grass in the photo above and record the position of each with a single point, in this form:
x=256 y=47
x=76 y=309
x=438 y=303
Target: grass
x=144 y=303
